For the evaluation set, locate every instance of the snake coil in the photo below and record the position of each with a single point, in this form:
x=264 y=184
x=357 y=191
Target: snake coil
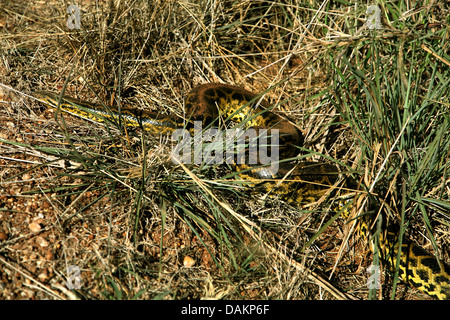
x=303 y=183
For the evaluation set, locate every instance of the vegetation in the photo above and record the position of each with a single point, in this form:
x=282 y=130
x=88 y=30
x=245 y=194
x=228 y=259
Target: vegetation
x=109 y=200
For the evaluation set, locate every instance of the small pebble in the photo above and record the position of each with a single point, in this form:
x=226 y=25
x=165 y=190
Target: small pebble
x=34 y=226
x=188 y=262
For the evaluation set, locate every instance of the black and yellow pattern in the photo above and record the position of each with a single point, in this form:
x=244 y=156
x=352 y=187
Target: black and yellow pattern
x=216 y=104
x=148 y=121
x=418 y=267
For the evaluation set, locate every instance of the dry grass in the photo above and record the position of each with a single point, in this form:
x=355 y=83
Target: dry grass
x=110 y=201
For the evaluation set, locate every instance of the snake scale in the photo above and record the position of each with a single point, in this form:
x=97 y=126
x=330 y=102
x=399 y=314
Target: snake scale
x=306 y=182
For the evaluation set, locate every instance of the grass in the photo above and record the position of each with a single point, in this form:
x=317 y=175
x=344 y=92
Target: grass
x=399 y=111
x=110 y=200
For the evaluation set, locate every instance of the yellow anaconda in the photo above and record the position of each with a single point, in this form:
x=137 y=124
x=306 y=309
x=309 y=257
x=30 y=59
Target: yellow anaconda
x=215 y=104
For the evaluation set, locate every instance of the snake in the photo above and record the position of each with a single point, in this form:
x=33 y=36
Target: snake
x=219 y=104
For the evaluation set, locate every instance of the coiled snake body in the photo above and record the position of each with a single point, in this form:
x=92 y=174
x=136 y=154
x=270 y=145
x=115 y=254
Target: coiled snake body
x=306 y=182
